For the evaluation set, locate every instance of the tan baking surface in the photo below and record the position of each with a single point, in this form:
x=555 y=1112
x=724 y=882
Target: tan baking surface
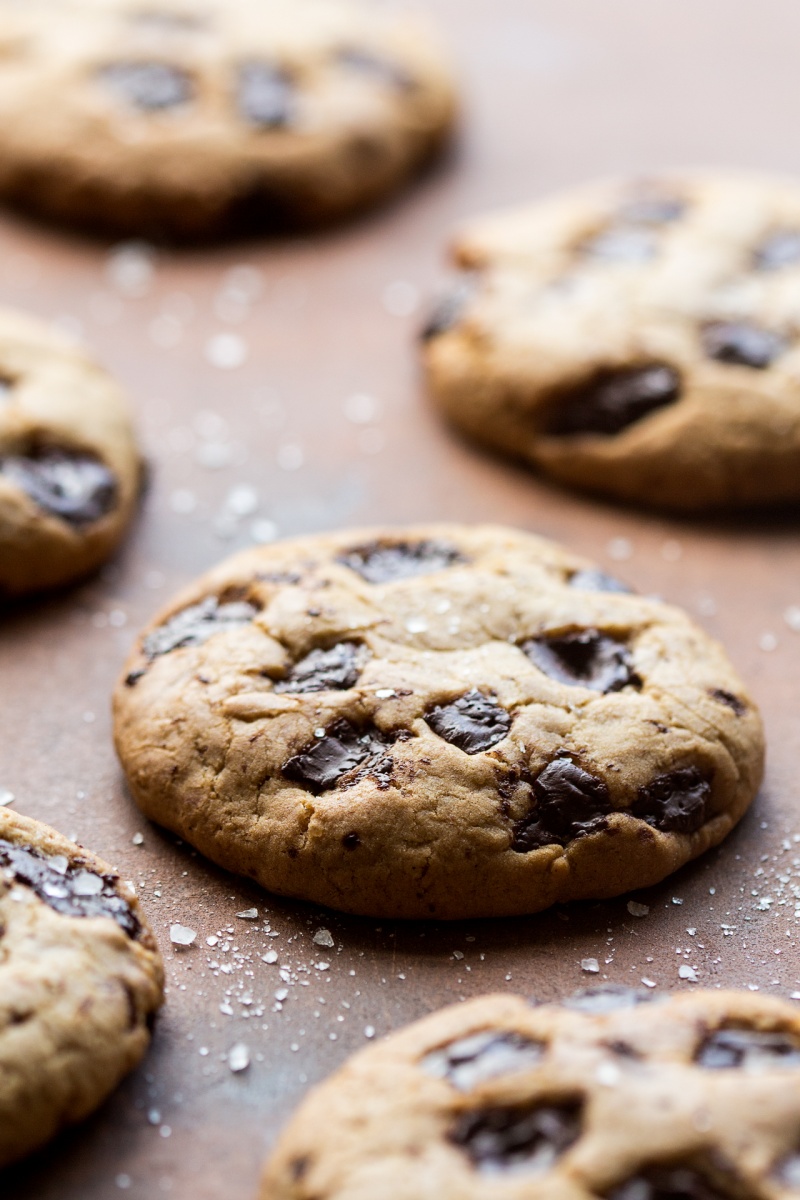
x=557 y=90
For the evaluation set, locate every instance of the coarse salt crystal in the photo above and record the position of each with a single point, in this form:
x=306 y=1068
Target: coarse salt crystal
x=688 y=973
x=638 y=910
x=249 y=914
x=239 y=1057
x=323 y=937
x=180 y=935
x=590 y=965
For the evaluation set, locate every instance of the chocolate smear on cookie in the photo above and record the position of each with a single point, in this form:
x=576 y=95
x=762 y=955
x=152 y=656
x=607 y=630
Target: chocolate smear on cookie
x=486 y=1055
x=570 y=803
x=74 y=486
x=387 y=562
x=524 y=1139
x=613 y=399
x=329 y=758
x=474 y=722
x=265 y=95
x=584 y=659
x=678 y=802
x=68 y=887
x=742 y=344
x=749 y=1049
x=325 y=670
x=195 y=625
x=150 y=86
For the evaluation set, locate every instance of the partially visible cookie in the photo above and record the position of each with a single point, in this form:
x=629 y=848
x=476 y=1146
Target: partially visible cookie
x=69 y=466
x=693 y=1097
x=639 y=339
x=441 y=721
x=80 y=982
x=191 y=118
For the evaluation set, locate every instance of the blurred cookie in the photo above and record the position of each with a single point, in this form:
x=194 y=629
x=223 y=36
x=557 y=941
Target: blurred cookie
x=636 y=339
x=443 y=721
x=69 y=466
x=197 y=117
x=80 y=982
x=693 y=1097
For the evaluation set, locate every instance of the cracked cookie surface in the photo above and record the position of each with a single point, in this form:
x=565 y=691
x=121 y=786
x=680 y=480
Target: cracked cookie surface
x=80 y=982
x=69 y=466
x=614 y=1095
x=441 y=721
x=638 y=339
x=192 y=118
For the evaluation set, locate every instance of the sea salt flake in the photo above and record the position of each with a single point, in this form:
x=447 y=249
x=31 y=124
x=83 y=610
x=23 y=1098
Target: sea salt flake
x=270 y=957
x=322 y=966
x=649 y=983
x=227 y=351
x=590 y=965
x=6 y=797
x=416 y=625
x=688 y=973
x=249 y=914
x=369 y=1031
x=323 y=937
x=638 y=910
x=239 y=1057
x=792 y=617
x=608 y=1075
x=181 y=935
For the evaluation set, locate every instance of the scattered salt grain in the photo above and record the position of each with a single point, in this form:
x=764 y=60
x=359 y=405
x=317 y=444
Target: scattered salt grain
x=180 y=935
x=249 y=914
x=227 y=351
x=130 y=268
x=183 y=501
x=792 y=618
x=369 y=1031
x=608 y=1075
x=620 y=549
x=638 y=910
x=590 y=965
x=416 y=625
x=323 y=937
x=649 y=983
x=768 y=642
x=263 y=531
x=239 y=1057
x=687 y=973
x=6 y=797
x=361 y=409
x=270 y=957
x=322 y=966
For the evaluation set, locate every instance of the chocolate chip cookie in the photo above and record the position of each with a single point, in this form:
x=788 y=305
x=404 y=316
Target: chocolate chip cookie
x=189 y=118
x=693 y=1097
x=80 y=982
x=442 y=721
x=69 y=466
x=638 y=339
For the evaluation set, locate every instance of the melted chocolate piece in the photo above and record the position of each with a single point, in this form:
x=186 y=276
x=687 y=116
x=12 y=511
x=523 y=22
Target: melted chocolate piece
x=742 y=344
x=68 y=887
x=587 y=659
x=675 y=803
x=472 y=1060
x=606 y=998
x=150 y=86
x=375 y=65
x=387 y=562
x=326 y=760
x=614 y=399
x=76 y=487
x=728 y=699
x=473 y=722
x=196 y=624
x=449 y=310
x=570 y=803
x=592 y=580
x=751 y=1049
x=325 y=670
x=521 y=1139
x=265 y=95
x=672 y=1183
x=780 y=249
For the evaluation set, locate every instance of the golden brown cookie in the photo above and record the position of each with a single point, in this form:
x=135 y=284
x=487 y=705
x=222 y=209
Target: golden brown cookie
x=442 y=721
x=80 y=982
x=638 y=339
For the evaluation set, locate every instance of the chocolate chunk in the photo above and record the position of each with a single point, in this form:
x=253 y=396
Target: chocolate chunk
x=652 y=209
x=622 y=244
x=69 y=887
x=151 y=86
x=196 y=624
x=586 y=659
x=613 y=400
x=753 y=1049
x=76 y=487
x=387 y=562
x=474 y=722
x=473 y=1060
x=570 y=803
x=780 y=249
x=606 y=998
x=351 y=841
x=325 y=670
x=742 y=344
x=448 y=312
x=675 y=803
x=375 y=65
x=674 y=1183
x=265 y=95
x=592 y=580
x=520 y=1139
x=731 y=701
x=326 y=760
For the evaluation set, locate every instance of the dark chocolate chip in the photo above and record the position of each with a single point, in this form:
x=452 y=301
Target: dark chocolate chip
x=68 y=887
x=728 y=699
x=325 y=670
x=195 y=625
x=473 y=1060
x=351 y=841
x=449 y=310
x=622 y=244
x=742 y=344
x=780 y=249
x=756 y=1049
x=613 y=400
x=326 y=760
x=474 y=722
x=586 y=659
x=652 y=209
x=151 y=86
x=265 y=95
x=520 y=1139
x=675 y=803
x=76 y=487
x=570 y=803
x=674 y=1183
x=592 y=580
x=606 y=998
x=386 y=562
x=384 y=70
